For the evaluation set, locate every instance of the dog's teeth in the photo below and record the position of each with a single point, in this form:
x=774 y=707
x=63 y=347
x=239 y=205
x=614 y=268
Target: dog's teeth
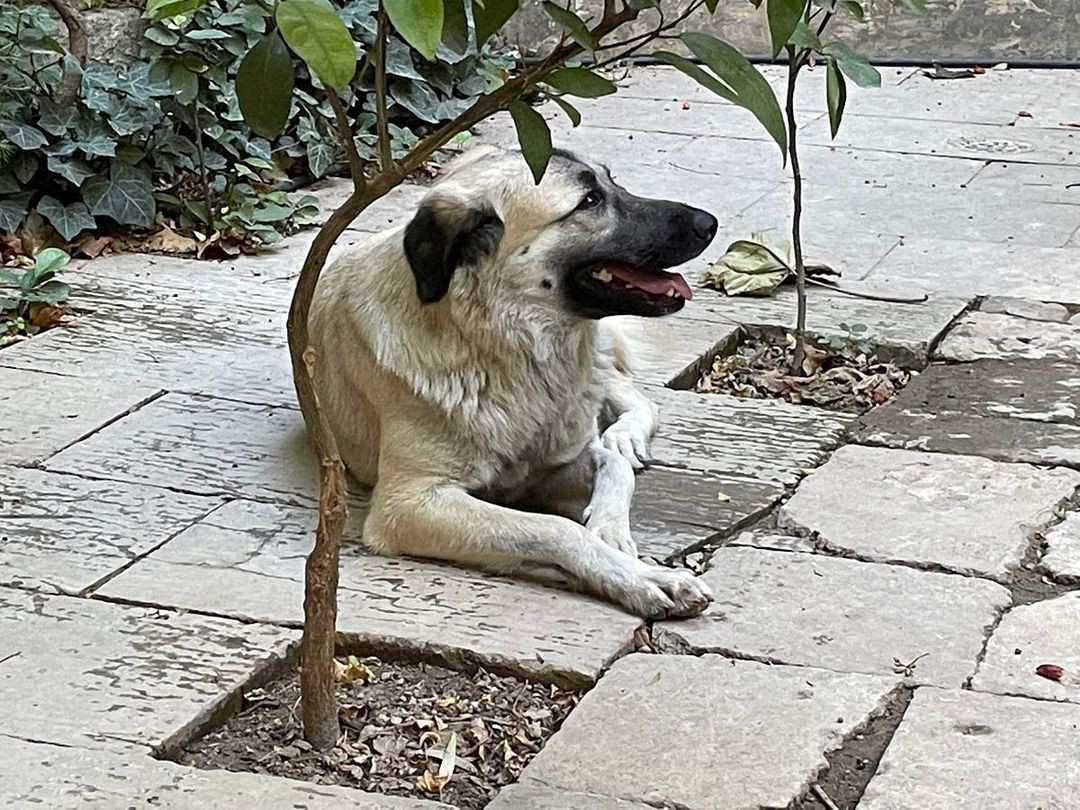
x=670 y=292
x=604 y=275
x=628 y=286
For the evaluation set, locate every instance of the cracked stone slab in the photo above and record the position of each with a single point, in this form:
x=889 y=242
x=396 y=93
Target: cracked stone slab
x=41 y=414
x=978 y=267
x=247 y=560
x=1062 y=556
x=843 y=615
x=94 y=674
x=971 y=751
x=1028 y=636
x=675 y=510
x=1008 y=410
x=767 y=440
x=991 y=335
x=64 y=533
x=54 y=777
x=704 y=732
x=902 y=333
x=205 y=446
x=531 y=795
x=963 y=513
x=677 y=348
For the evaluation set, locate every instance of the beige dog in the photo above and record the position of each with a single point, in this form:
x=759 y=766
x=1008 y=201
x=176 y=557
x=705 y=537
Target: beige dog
x=468 y=378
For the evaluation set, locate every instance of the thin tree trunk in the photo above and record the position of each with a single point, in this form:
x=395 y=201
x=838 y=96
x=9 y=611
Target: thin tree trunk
x=794 y=64
x=78 y=46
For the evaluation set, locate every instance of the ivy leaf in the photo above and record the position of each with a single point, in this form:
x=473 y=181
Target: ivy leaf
x=783 y=16
x=489 y=16
x=126 y=195
x=568 y=108
x=94 y=139
x=420 y=23
x=572 y=24
x=75 y=170
x=184 y=83
x=25 y=166
x=577 y=81
x=264 y=86
x=160 y=9
x=23 y=135
x=534 y=137
x=835 y=95
x=69 y=220
x=9 y=185
x=57 y=119
x=315 y=32
x=13 y=211
x=736 y=80
x=320 y=156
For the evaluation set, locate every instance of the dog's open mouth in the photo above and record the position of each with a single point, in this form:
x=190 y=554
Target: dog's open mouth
x=614 y=288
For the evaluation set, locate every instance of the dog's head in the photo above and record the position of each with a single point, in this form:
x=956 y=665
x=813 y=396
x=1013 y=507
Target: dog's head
x=577 y=241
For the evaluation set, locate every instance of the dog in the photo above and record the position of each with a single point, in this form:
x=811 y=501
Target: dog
x=468 y=376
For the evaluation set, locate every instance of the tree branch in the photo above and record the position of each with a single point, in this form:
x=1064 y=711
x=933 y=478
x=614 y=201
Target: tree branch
x=386 y=158
x=78 y=46
x=345 y=134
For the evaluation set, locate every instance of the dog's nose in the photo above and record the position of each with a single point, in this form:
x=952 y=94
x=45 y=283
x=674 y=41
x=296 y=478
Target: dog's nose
x=704 y=225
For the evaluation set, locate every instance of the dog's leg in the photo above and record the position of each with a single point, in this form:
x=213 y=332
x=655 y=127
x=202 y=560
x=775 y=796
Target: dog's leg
x=631 y=417
x=445 y=522
x=608 y=511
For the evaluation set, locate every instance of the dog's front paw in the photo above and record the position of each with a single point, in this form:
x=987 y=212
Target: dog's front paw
x=615 y=535
x=686 y=593
x=630 y=440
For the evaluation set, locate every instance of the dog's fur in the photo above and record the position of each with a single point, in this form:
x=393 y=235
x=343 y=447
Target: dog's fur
x=467 y=377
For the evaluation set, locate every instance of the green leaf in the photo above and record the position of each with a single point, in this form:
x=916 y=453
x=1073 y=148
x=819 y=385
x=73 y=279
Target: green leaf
x=75 y=170
x=94 y=139
x=783 y=16
x=51 y=292
x=320 y=157
x=50 y=261
x=854 y=65
x=534 y=137
x=315 y=32
x=160 y=9
x=420 y=23
x=572 y=24
x=162 y=36
x=750 y=89
x=264 y=86
x=918 y=6
x=455 y=33
x=8 y=277
x=13 y=210
x=835 y=95
x=697 y=74
x=804 y=38
x=57 y=119
x=25 y=166
x=69 y=220
x=712 y=4
x=853 y=8
x=489 y=16
x=568 y=108
x=126 y=195
x=577 y=81
x=23 y=135
x=184 y=83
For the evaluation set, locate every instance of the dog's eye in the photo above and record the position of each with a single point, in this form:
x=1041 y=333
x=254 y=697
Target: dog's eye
x=590 y=200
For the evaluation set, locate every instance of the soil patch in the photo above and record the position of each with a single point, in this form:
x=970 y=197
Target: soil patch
x=840 y=375
x=405 y=727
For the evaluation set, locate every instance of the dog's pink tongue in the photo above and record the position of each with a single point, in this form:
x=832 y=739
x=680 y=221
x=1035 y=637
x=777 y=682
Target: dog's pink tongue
x=656 y=282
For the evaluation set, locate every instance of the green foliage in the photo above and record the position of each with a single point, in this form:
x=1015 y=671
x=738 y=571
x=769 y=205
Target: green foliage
x=420 y=23
x=533 y=136
x=784 y=16
x=315 y=32
x=22 y=295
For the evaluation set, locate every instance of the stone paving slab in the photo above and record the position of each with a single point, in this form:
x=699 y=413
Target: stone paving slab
x=247 y=561
x=675 y=349
x=54 y=777
x=64 y=533
x=704 y=732
x=980 y=268
x=768 y=440
x=205 y=446
x=1045 y=632
x=843 y=615
x=93 y=674
x=1007 y=410
x=968 y=751
x=41 y=414
x=903 y=333
x=963 y=513
x=534 y=796
x=994 y=336
x=1062 y=557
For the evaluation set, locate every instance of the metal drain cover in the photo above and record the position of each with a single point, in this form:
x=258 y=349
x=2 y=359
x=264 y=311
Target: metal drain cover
x=997 y=146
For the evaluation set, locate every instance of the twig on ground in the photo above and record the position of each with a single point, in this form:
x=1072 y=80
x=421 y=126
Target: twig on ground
x=823 y=797
x=9 y=656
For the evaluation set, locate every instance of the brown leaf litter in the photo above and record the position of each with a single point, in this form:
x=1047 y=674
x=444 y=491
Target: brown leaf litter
x=414 y=730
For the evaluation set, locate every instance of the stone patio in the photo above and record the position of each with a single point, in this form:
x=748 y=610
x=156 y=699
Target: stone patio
x=157 y=496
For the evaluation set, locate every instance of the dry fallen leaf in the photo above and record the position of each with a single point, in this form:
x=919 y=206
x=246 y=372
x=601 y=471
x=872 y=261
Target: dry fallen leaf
x=352 y=669
x=723 y=497
x=1051 y=672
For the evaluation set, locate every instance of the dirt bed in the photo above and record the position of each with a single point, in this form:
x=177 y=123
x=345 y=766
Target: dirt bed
x=409 y=730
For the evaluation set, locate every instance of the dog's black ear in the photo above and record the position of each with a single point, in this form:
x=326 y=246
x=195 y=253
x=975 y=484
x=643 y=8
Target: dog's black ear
x=444 y=235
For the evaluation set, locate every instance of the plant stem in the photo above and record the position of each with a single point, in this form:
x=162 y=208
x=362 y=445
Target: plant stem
x=204 y=176
x=386 y=158
x=794 y=65
x=78 y=46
